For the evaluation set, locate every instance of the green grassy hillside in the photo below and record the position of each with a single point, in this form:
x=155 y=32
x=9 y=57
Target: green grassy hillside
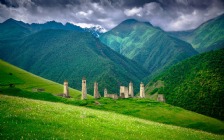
x=148 y=46
x=27 y=119
x=141 y=108
x=209 y=36
x=195 y=84
x=61 y=54
x=10 y=74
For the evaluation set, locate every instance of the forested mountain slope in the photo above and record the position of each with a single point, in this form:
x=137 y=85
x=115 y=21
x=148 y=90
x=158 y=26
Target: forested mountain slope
x=195 y=84
x=147 y=45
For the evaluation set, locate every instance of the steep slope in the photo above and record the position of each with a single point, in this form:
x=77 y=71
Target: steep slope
x=196 y=84
x=25 y=119
x=24 y=80
x=60 y=54
x=148 y=46
x=209 y=36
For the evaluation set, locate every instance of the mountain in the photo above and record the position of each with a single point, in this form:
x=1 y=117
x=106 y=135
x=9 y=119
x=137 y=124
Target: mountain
x=195 y=84
x=209 y=36
x=96 y=31
x=58 y=54
x=149 y=46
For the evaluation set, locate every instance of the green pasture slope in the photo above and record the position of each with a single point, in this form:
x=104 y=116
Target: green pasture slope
x=22 y=118
x=141 y=108
x=24 y=80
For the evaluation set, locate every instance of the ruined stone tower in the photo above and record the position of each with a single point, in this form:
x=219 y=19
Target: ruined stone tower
x=66 y=91
x=130 y=90
x=105 y=92
x=96 y=92
x=124 y=92
x=161 y=98
x=142 y=90
x=84 y=90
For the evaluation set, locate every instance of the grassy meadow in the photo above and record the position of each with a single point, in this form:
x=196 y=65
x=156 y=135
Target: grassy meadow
x=32 y=119
x=28 y=81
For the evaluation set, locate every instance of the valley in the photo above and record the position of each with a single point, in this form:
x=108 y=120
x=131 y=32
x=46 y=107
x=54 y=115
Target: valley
x=184 y=67
x=61 y=55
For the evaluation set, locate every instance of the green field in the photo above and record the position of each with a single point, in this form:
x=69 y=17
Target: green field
x=28 y=118
x=31 y=119
x=141 y=108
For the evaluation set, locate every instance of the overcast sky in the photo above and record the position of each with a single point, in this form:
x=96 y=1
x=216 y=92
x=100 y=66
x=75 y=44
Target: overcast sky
x=170 y=15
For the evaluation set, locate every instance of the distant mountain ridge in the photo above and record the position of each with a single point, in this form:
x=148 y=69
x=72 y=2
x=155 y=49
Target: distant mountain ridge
x=56 y=25
x=36 y=27
x=209 y=36
x=149 y=46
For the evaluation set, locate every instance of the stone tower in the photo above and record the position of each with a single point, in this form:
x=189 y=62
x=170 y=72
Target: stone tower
x=161 y=98
x=142 y=90
x=105 y=92
x=84 y=90
x=66 y=91
x=96 y=92
x=124 y=92
x=131 y=91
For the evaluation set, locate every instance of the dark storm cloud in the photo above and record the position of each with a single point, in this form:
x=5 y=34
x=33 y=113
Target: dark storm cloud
x=57 y=3
x=178 y=14
x=201 y=4
x=167 y=14
x=9 y=3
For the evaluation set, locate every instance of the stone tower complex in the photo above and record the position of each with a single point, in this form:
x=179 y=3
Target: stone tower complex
x=96 y=92
x=66 y=91
x=84 y=90
x=130 y=90
x=142 y=90
x=124 y=92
